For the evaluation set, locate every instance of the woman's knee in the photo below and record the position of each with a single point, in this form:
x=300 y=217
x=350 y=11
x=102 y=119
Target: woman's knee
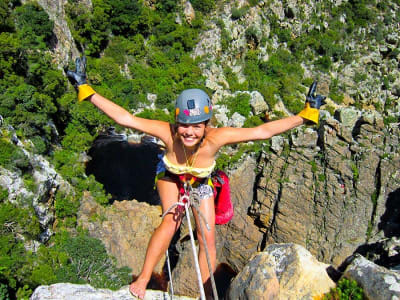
x=209 y=238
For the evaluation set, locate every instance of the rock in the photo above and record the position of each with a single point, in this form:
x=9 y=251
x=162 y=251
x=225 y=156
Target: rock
x=189 y=12
x=376 y=281
x=348 y=116
x=62 y=291
x=277 y=143
x=318 y=192
x=240 y=238
x=125 y=228
x=282 y=271
x=220 y=114
x=258 y=103
x=237 y=120
x=257 y=280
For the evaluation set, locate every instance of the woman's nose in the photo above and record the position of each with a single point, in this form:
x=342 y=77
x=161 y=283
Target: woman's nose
x=189 y=130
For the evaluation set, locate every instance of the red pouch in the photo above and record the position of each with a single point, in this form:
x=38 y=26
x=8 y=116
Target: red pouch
x=222 y=195
x=222 y=198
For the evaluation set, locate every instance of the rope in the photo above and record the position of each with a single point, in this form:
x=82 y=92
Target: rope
x=187 y=200
x=170 y=275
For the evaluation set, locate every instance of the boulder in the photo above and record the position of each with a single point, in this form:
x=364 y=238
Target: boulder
x=258 y=103
x=282 y=271
x=62 y=291
x=376 y=281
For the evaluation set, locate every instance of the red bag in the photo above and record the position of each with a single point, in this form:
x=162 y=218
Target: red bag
x=222 y=198
x=222 y=195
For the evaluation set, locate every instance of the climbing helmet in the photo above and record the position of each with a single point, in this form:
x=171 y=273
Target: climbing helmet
x=193 y=106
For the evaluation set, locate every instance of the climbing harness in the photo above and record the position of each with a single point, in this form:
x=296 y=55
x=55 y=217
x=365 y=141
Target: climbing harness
x=190 y=198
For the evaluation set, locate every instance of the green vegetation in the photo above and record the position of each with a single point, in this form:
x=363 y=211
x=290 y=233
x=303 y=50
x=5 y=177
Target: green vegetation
x=346 y=289
x=225 y=161
x=240 y=104
x=279 y=77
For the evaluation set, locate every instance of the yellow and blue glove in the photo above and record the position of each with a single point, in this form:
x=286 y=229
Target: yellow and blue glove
x=78 y=78
x=313 y=103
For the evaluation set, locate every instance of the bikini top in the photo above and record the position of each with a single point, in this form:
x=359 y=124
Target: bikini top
x=179 y=169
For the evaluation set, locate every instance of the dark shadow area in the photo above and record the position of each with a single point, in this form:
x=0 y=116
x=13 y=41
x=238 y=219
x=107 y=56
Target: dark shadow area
x=390 y=225
x=390 y=220
x=126 y=170
x=223 y=276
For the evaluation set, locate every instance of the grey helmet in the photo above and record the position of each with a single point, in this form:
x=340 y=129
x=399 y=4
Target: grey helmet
x=193 y=106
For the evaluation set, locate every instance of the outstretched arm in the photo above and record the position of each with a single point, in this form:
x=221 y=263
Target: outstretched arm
x=120 y=115
x=124 y=118
x=310 y=113
x=229 y=135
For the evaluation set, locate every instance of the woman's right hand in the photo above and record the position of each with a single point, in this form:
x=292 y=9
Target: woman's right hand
x=78 y=79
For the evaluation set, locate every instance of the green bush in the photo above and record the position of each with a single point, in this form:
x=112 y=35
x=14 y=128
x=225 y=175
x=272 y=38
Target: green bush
x=237 y=13
x=233 y=80
x=33 y=24
x=157 y=114
x=205 y=6
x=253 y=121
x=12 y=157
x=240 y=104
x=89 y=263
x=346 y=289
x=6 y=20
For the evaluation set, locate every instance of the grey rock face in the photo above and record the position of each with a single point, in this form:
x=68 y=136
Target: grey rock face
x=68 y=291
x=377 y=282
x=330 y=189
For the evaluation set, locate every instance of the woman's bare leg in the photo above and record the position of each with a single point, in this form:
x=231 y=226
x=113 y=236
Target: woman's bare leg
x=208 y=211
x=161 y=238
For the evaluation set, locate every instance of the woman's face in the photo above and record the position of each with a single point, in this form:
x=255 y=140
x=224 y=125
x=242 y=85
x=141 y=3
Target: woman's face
x=191 y=134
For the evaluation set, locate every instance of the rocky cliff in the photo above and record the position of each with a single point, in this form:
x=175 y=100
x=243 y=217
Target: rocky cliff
x=330 y=189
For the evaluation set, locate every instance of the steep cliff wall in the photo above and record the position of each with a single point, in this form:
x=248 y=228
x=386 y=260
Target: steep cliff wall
x=328 y=189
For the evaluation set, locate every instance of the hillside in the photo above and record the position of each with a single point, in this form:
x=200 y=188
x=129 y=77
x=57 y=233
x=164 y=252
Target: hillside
x=256 y=60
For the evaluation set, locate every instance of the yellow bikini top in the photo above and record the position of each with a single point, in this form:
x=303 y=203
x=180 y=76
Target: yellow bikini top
x=178 y=169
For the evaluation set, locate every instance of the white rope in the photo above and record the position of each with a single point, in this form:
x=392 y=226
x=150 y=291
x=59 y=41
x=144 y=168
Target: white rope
x=170 y=275
x=186 y=202
x=196 y=260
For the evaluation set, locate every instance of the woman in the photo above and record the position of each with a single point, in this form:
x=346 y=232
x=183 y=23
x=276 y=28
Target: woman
x=191 y=148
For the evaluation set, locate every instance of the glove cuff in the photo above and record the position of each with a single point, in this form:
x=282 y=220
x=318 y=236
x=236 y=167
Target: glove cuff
x=84 y=91
x=309 y=113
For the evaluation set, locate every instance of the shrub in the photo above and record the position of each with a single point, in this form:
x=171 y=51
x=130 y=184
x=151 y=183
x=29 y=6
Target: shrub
x=33 y=24
x=156 y=114
x=89 y=263
x=237 y=13
x=345 y=289
x=253 y=121
x=239 y=104
x=205 y=6
x=11 y=156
